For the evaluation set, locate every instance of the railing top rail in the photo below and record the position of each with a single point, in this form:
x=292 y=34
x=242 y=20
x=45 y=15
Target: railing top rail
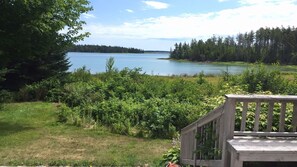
x=204 y=120
x=288 y=98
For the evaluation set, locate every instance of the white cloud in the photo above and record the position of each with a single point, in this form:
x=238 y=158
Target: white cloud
x=263 y=2
x=187 y=26
x=156 y=4
x=223 y=0
x=129 y=10
x=88 y=16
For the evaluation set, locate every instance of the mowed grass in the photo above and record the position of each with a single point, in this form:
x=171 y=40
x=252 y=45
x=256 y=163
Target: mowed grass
x=30 y=135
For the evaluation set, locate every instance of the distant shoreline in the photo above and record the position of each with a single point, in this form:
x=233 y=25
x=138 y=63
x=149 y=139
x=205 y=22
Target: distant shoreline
x=110 y=49
x=156 y=51
x=149 y=51
x=103 y=49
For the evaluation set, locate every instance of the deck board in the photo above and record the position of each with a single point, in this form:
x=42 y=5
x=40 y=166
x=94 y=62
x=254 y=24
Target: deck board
x=268 y=149
x=262 y=145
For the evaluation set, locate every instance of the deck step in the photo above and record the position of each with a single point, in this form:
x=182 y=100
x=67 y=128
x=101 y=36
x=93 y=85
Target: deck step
x=262 y=149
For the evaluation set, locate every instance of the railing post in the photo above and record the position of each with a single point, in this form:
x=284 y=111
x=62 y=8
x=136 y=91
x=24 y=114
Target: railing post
x=294 y=119
x=229 y=121
x=195 y=145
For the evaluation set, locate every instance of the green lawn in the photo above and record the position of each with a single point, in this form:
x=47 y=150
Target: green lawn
x=30 y=135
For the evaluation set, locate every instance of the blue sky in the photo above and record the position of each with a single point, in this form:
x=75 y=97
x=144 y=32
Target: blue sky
x=158 y=25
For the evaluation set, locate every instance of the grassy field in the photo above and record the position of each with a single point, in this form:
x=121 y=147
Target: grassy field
x=30 y=135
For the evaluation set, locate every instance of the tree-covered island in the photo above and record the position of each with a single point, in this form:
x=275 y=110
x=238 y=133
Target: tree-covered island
x=103 y=49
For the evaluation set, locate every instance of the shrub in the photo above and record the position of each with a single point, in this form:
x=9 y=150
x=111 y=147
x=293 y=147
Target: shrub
x=79 y=93
x=51 y=89
x=201 y=78
x=164 y=117
x=292 y=86
x=68 y=115
x=173 y=154
x=6 y=96
x=64 y=113
x=40 y=90
x=263 y=79
x=116 y=114
x=81 y=75
x=161 y=118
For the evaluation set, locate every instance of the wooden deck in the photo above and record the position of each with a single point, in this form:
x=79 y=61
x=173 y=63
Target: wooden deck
x=231 y=142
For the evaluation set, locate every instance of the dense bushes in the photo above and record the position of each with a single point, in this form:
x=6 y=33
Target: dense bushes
x=133 y=103
x=129 y=102
x=292 y=86
x=263 y=79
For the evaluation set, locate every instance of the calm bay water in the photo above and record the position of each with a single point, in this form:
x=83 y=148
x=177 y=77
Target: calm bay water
x=149 y=62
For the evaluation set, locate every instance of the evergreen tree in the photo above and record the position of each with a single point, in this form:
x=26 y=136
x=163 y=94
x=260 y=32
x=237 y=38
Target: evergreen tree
x=35 y=36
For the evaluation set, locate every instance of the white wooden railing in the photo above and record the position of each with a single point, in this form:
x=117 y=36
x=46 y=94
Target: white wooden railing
x=219 y=126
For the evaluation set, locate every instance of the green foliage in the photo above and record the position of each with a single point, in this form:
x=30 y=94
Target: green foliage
x=152 y=118
x=172 y=155
x=62 y=88
x=68 y=115
x=259 y=78
x=39 y=91
x=79 y=93
x=110 y=65
x=227 y=77
x=292 y=86
x=129 y=102
x=6 y=96
x=3 y=93
x=33 y=46
x=115 y=113
x=64 y=113
x=201 y=78
x=262 y=79
x=81 y=74
x=163 y=117
x=2 y=73
x=206 y=140
x=132 y=103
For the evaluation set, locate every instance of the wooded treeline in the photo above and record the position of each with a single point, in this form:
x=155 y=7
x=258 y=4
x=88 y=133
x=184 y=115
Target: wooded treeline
x=266 y=45
x=104 y=49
